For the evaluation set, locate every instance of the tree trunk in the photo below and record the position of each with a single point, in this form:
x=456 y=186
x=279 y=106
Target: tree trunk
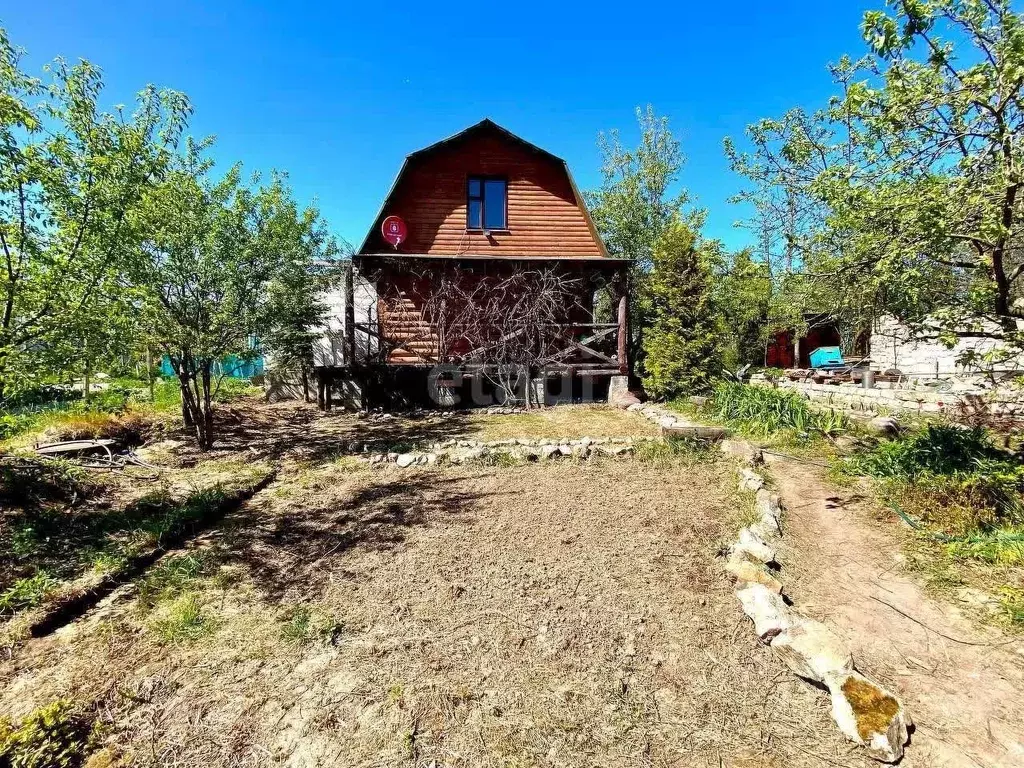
x=207 y=406
x=186 y=393
x=87 y=383
x=305 y=383
x=149 y=373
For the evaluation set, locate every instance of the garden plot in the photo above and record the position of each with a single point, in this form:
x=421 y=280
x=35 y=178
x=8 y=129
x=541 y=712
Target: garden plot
x=569 y=614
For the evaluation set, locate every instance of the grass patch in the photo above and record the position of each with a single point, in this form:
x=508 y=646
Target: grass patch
x=764 y=412
x=951 y=479
x=964 y=497
x=27 y=593
x=171 y=578
x=570 y=422
x=304 y=625
x=183 y=620
x=496 y=458
x=674 y=450
x=58 y=735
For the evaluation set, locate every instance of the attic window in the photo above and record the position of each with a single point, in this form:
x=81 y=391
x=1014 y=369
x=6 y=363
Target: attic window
x=486 y=204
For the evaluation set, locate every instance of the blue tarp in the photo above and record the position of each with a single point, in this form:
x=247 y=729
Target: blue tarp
x=230 y=366
x=827 y=357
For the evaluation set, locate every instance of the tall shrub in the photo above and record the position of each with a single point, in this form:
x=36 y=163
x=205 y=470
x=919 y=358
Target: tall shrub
x=681 y=344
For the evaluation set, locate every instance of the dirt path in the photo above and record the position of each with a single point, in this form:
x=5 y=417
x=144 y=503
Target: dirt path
x=962 y=683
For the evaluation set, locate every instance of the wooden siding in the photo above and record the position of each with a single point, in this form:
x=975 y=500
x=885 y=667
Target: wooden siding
x=544 y=217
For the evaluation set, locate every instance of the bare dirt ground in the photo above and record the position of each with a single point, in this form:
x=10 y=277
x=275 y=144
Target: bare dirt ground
x=570 y=614
x=962 y=682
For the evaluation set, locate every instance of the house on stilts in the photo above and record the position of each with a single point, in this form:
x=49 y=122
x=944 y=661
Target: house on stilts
x=482 y=280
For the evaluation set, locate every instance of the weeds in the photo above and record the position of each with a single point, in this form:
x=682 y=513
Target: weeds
x=937 y=449
x=497 y=459
x=948 y=477
x=27 y=593
x=184 y=620
x=171 y=578
x=965 y=498
x=305 y=625
x=54 y=736
x=672 y=450
x=1012 y=602
x=764 y=412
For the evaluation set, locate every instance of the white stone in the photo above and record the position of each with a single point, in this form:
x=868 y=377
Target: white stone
x=750 y=481
x=667 y=421
x=405 y=460
x=769 y=510
x=812 y=650
x=755 y=547
x=549 y=451
x=766 y=608
x=747 y=571
x=869 y=715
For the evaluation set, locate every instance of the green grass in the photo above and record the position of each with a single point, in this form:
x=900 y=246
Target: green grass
x=27 y=593
x=172 y=577
x=184 y=620
x=674 y=450
x=58 y=735
x=765 y=413
x=68 y=412
x=951 y=479
x=964 y=497
x=305 y=625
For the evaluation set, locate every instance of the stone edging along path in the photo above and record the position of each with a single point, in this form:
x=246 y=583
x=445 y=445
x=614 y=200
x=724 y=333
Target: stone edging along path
x=865 y=712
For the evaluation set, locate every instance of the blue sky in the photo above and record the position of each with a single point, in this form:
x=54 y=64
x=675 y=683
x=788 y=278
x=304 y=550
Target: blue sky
x=338 y=93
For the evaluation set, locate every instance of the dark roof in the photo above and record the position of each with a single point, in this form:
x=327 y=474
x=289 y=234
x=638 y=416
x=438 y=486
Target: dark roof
x=487 y=123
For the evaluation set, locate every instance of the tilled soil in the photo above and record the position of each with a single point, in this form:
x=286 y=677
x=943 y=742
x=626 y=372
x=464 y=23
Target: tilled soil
x=549 y=615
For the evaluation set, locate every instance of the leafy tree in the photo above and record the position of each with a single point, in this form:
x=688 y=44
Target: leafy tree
x=908 y=185
x=71 y=178
x=743 y=295
x=635 y=205
x=298 y=296
x=682 y=342
x=213 y=275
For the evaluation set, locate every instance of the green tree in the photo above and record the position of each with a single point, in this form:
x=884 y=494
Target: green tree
x=908 y=185
x=682 y=342
x=743 y=295
x=213 y=274
x=71 y=178
x=636 y=203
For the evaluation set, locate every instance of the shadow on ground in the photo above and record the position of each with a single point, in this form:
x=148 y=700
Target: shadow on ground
x=293 y=546
x=299 y=430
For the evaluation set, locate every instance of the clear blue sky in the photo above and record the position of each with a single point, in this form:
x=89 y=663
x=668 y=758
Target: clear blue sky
x=338 y=93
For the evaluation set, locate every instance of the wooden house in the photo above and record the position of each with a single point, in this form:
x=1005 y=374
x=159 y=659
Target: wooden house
x=483 y=258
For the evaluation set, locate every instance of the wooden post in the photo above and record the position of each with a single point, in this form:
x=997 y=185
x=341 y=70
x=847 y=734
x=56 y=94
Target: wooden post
x=350 y=317
x=623 y=346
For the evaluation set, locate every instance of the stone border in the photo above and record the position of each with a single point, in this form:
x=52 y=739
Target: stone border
x=674 y=425
x=865 y=712
x=524 y=449
x=520 y=449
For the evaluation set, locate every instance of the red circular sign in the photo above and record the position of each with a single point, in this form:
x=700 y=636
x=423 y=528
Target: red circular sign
x=393 y=229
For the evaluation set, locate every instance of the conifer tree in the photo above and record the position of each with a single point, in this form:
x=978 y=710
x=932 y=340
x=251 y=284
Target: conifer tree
x=681 y=343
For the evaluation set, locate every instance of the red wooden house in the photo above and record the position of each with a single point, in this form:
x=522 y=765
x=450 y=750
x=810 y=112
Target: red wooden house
x=499 y=265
